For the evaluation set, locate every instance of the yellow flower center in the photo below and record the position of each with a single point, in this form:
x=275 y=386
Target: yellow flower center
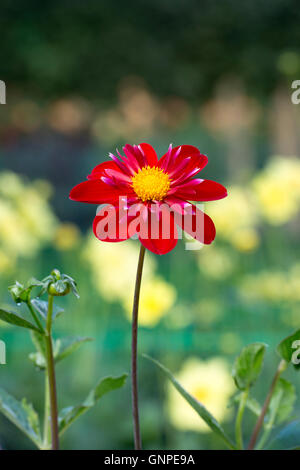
x=201 y=394
x=151 y=184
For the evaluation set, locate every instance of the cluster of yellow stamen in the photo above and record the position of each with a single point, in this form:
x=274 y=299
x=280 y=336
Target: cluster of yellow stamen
x=151 y=183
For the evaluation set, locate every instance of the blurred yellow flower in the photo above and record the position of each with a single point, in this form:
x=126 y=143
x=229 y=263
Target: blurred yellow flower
x=6 y=262
x=26 y=219
x=277 y=189
x=66 y=236
x=215 y=262
x=114 y=270
x=10 y=185
x=266 y=285
x=114 y=267
x=156 y=299
x=273 y=286
x=209 y=382
x=245 y=239
x=236 y=220
x=238 y=211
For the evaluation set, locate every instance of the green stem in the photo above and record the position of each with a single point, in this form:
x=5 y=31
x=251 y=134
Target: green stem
x=239 y=419
x=35 y=317
x=282 y=366
x=51 y=377
x=47 y=431
x=266 y=433
x=134 y=390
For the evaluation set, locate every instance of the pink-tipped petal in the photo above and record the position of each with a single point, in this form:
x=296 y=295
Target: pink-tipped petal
x=179 y=170
x=149 y=153
x=134 y=159
x=124 y=168
x=198 y=160
x=118 y=176
x=164 y=161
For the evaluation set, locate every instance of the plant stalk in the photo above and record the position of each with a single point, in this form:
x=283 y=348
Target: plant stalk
x=239 y=419
x=51 y=377
x=47 y=431
x=282 y=366
x=134 y=385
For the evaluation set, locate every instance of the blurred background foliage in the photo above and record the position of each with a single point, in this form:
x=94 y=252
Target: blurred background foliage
x=84 y=78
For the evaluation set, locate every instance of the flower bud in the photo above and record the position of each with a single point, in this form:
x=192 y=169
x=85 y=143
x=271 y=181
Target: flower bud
x=59 y=288
x=56 y=274
x=19 y=293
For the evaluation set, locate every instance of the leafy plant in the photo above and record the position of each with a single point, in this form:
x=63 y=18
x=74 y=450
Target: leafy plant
x=276 y=410
x=47 y=353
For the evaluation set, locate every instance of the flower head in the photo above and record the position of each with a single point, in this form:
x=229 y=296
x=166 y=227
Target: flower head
x=210 y=383
x=150 y=197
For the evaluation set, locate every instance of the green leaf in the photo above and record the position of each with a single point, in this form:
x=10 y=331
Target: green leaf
x=248 y=365
x=289 y=349
x=39 y=342
x=251 y=403
x=41 y=307
x=195 y=404
x=22 y=415
x=14 y=319
x=68 y=345
x=68 y=415
x=38 y=358
x=32 y=416
x=33 y=282
x=282 y=402
x=62 y=348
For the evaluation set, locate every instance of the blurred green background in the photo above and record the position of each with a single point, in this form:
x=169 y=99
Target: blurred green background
x=85 y=78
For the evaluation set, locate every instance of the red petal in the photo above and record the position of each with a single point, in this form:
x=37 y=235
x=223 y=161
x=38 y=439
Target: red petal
x=94 y=192
x=197 y=159
x=135 y=158
x=192 y=220
x=159 y=247
x=111 y=225
x=205 y=190
x=99 y=170
x=118 y=176
x=150 y=154
x=160 y=239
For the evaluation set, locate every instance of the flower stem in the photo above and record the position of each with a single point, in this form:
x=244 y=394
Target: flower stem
x=51 y=377
x=239 y=419
x=282 y=366
x=134 y=390
x=46 y=413
x=267 y=431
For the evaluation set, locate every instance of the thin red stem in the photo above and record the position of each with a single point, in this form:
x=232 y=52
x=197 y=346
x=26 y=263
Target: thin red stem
x=134 y=390
x=282 y=366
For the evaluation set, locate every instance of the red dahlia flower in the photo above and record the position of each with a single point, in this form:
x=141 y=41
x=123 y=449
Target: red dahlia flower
x=158 y=190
